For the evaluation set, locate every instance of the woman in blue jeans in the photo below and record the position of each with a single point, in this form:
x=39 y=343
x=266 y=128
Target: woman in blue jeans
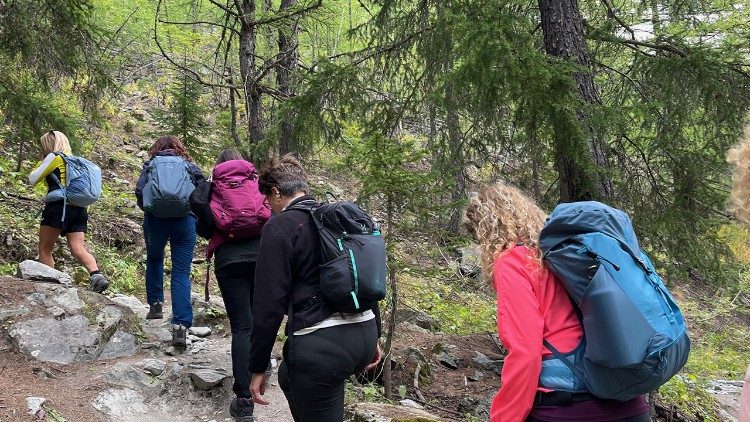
x=177 y=229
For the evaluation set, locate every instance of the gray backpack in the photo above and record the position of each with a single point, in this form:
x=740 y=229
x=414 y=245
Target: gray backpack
x=168 y=187
x=84 y=183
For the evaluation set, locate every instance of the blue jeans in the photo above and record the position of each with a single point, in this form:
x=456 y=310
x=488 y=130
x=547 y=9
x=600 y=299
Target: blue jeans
x=180 y=233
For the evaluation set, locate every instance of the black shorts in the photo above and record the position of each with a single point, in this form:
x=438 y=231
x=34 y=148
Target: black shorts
x=76 y=218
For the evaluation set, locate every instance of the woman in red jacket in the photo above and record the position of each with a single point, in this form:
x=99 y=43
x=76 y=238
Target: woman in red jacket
x=532 y=305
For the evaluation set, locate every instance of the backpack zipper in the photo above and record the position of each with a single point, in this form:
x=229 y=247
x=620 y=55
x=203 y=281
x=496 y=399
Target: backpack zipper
x=585 y=250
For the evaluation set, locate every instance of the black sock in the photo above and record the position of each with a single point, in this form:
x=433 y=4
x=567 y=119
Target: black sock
x=95 y=272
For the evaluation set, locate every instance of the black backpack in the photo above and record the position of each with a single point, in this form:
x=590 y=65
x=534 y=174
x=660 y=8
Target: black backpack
x=199 y=204
x=352 y=276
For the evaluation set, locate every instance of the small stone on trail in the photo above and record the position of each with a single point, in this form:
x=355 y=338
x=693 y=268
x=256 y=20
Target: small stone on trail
x=153 y=366
x=35 y=405
x=486 y=363
x=478 y=376
x=205 y=379
x=447 y=360
x=200 y=331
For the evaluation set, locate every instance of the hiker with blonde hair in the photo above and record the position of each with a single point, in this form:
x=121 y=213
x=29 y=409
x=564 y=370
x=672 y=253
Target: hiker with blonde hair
x=60 y=217
x=532 y=305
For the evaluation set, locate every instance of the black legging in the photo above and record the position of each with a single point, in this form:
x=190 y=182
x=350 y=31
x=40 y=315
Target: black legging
x=236 y=282
x=645 y=417
x=323 y=361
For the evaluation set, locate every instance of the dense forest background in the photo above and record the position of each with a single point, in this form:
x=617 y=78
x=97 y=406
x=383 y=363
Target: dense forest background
x=419 y=102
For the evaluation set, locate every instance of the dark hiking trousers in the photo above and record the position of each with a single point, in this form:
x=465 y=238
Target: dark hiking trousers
x=323 y=360
x=236 y=282
x=645 y=417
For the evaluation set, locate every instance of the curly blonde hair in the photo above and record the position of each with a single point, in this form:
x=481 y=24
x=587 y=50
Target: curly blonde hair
x=499 y=217
x=739 y=156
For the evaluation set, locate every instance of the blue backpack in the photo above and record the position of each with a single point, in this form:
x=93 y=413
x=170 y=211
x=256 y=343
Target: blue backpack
x=634 y=333
x=168 y=187
x=83 y=183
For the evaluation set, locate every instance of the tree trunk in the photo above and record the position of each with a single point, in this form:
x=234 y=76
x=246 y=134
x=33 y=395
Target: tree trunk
x=580 y=166
x=387 y=377
x=248 y=74
x=285 y=68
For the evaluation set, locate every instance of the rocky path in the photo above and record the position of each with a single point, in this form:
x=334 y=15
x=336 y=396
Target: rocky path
x=73 y=355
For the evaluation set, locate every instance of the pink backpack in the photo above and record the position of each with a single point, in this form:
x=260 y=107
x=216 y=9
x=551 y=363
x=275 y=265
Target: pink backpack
x=236 y=203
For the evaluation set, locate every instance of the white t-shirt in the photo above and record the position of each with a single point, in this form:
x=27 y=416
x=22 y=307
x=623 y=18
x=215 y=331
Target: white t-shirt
x=338 y=318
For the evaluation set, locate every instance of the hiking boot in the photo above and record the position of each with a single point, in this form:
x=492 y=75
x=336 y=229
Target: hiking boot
x=241 y=409
x=179 y=336
x=98 y=283
x=155 y=311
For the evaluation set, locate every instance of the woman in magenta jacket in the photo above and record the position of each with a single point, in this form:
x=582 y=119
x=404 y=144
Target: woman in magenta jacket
x=532 y=305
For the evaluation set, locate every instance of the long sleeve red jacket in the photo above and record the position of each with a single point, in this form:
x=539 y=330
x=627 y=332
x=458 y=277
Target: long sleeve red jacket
x=532 y=305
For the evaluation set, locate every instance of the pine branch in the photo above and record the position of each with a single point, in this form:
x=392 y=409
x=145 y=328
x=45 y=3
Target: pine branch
x=611 y=12
x=222 y=7
x=200 y=23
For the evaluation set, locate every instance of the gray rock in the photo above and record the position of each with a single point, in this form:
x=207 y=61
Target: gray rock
x=153 y=367
x=410 y=403
x=469 y=266
x=200 y=331
x=125 y=376
x=206 y=379
x=108 y=319
x=36 y=271
x=478 y=376
x=57 y=312
x=417 y=318
x=50 y=340
x=381 y=412
x=14 y=312
x=68 y=299
x=447 y=360
x=489 y=364
x=160 y=333
x=35 y=406
x=37 y=298
x=121 y=344
x=132 y=302
x=120 y=403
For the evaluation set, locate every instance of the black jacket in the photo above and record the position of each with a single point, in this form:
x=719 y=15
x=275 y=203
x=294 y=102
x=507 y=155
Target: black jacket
x=288 y=265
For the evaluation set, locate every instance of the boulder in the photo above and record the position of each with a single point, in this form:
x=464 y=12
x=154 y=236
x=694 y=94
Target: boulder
x=381 y=412
x=36 y=271
x=121 y=344
x=418 y=318
x=448 y=360
x=58 y=341
x=206 y=378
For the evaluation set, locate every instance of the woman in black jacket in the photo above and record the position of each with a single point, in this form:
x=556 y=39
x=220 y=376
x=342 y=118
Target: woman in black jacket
x=327 y=348
x=234 y=264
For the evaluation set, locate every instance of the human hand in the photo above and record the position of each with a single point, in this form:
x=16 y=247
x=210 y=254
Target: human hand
x=375 y=359
x=258 y=388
